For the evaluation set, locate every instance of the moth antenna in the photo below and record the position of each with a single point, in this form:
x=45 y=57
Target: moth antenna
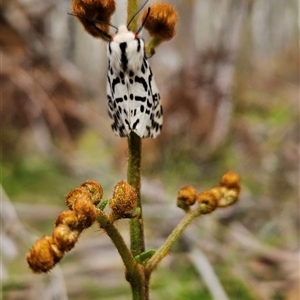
x=145 y=20
x=137 y=13
x=92 y=21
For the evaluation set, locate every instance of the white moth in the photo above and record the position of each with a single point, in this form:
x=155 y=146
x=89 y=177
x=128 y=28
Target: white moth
x=133 y=98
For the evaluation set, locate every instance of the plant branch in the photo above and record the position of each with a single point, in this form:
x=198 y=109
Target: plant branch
x=170 y=241
x=134 y=179
x=118 y=241
x=134 y=271
x=132 y=8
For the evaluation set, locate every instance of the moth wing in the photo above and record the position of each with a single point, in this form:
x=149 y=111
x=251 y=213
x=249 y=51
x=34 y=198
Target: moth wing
x=133 y=98
x=156 y=119
x=140 y=106
x=145 y=106
x=118 y=104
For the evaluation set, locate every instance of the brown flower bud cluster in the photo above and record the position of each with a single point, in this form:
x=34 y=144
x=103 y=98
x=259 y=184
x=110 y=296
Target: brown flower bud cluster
x=123 y=201
x=82 y=213
x=186 y=197
x=95 y=15
x=223 y=195
x=89 y=11
x=160 y=23
x=228 y=189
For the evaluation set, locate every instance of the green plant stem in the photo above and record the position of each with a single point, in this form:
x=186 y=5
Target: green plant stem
x=172 y=238
x=139 y=285
x=118 y=241
x=134 y=178
x=132 y=8
x=135 y=274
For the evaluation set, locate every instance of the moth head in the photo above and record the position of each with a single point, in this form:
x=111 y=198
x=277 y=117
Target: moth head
x=123 y=35
x=122 y=29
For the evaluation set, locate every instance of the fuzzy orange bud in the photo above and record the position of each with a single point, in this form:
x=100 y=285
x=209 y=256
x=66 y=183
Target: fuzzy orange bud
x=124 y=199
x=230 y=180
x=100 y=10
x=43 y=255
x=230 y=196
x=218 y=192
x=67 y=217
x=230 y=186
x=208 y=202
x=95 y=189
x=80 y=201
x=65 y=238
x=161 y=21
x=86 y=212
x=186 y=197
x=79 y=193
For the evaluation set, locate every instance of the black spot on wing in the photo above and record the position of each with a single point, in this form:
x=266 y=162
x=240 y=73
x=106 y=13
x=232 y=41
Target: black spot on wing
x=119 y=100
x=138 y=49
x=142 y=81
x=109 y=48
x=114 y=83
x=110 y=70
x=149 y=104
x=124 y=59
x=144 y=66
x=135 y=124
x=122 y=76
x=139 y=98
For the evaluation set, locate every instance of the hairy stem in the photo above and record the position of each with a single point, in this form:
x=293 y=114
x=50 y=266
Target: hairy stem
x=170 y=241
x=118 y=241
x=132 y=8
x=135 y=274
x=139 y=285
x=134 y=179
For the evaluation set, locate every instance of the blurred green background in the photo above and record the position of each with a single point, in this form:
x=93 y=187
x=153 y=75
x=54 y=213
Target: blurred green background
x=229 y=83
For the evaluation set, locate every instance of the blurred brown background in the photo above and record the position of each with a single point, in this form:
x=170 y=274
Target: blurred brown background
x=229 y=83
